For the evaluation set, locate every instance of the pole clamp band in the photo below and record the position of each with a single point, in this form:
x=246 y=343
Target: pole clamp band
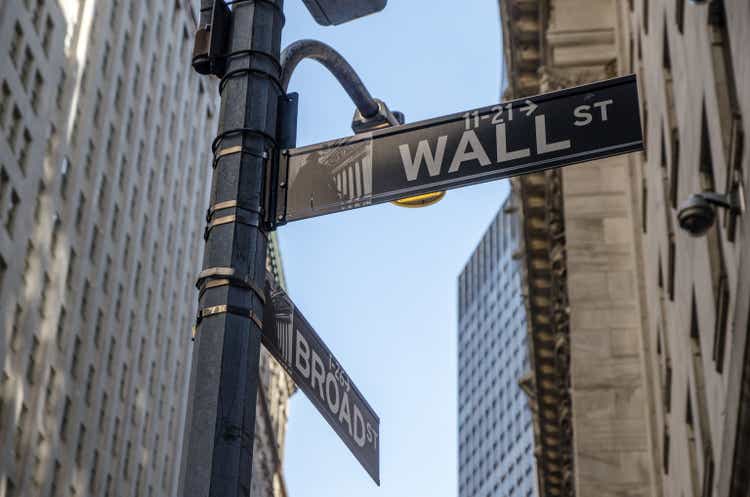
x=242 y=216
x=227 y=309
x=237 y=149
x=227 y=204
x=227 y=276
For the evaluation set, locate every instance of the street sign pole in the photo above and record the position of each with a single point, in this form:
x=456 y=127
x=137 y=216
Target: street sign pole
x=220 y=424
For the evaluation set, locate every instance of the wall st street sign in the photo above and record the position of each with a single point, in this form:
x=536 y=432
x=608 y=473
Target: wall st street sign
x=522 y=136
x=297 y=347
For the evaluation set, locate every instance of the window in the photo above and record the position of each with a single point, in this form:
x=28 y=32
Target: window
x=55 y=239
x=89 y=168
x=719 y=278
x=680 y=15
x=85 y=298
x=700 y=393
x=114 y=224
x=80 y=444
x=94 y=469
x=33 y=360
x=55 y=479
x=103 y=411
x=668 y=384
x=47 y=38
x=671 y=268
x=111 y=142
x=64 y=166
x=41 y=188
x=71 y=269
x=15 y=44
x=111 y=355
x=126 y=464
x=15 y=127
x=673 y=131
x=10 y=487
x=726 y=89
x=64 y=419
x=644 y=199
x=4 y=99
x=50 y=389
x=89 y=384
x=80 y=211
x=61 y=328
x=23 y=153
x=123 y=381
x=98 y=107
x=115 y=433
x=113 y=14
x=59 y=100
x=118 y=93
x=105 y=58
x=118 y=302
x=15 y=333
x=94 y=244
x=692 y=444
x=74 y=359
x=19 y=431
x=36 y=14
x=36 y=92
x=45 y=286
x=142 y=355
x=105 y=275
x=28 y=62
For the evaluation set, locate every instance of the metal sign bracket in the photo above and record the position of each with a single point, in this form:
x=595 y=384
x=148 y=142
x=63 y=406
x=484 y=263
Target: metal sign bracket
x=276 y=181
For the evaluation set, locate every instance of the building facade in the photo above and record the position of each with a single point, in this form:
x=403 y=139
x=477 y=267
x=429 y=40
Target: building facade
x=495 y=434
x=105 y=135
x=639 y=330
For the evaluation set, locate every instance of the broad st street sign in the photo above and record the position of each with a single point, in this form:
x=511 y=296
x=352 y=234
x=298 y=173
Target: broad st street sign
x=293 y=342
x=522 y=136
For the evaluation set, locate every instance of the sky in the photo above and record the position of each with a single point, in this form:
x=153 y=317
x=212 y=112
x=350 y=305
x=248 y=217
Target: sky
x=379 y=284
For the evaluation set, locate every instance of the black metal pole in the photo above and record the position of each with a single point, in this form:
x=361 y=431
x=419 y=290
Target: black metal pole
x=224 y=379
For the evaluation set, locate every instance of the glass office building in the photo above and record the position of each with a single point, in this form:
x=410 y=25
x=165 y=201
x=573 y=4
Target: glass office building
x=495 y=432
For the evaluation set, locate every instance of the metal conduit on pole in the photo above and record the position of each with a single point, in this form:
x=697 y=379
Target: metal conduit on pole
x=371 y=112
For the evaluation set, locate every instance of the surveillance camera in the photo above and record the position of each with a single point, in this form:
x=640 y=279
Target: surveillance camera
x=696 y=215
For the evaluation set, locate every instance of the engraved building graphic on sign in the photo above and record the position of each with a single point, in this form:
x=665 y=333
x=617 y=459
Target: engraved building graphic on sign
x=326 y=178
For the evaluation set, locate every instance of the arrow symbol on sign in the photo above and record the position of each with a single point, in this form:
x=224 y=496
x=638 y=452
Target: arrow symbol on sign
x=530 y=107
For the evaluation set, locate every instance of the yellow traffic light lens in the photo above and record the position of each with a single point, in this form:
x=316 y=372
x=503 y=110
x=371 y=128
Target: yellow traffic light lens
x=424 y=200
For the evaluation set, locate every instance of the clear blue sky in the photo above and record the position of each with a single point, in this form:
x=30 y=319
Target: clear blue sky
x=379 y=284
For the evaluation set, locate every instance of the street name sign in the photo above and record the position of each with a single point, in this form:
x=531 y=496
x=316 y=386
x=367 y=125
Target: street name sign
x=297 y=347
x=518 y=137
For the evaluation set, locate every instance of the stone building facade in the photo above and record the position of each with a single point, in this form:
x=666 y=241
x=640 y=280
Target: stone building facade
x=639 y=330
x=105 y=136
x=495 y=433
